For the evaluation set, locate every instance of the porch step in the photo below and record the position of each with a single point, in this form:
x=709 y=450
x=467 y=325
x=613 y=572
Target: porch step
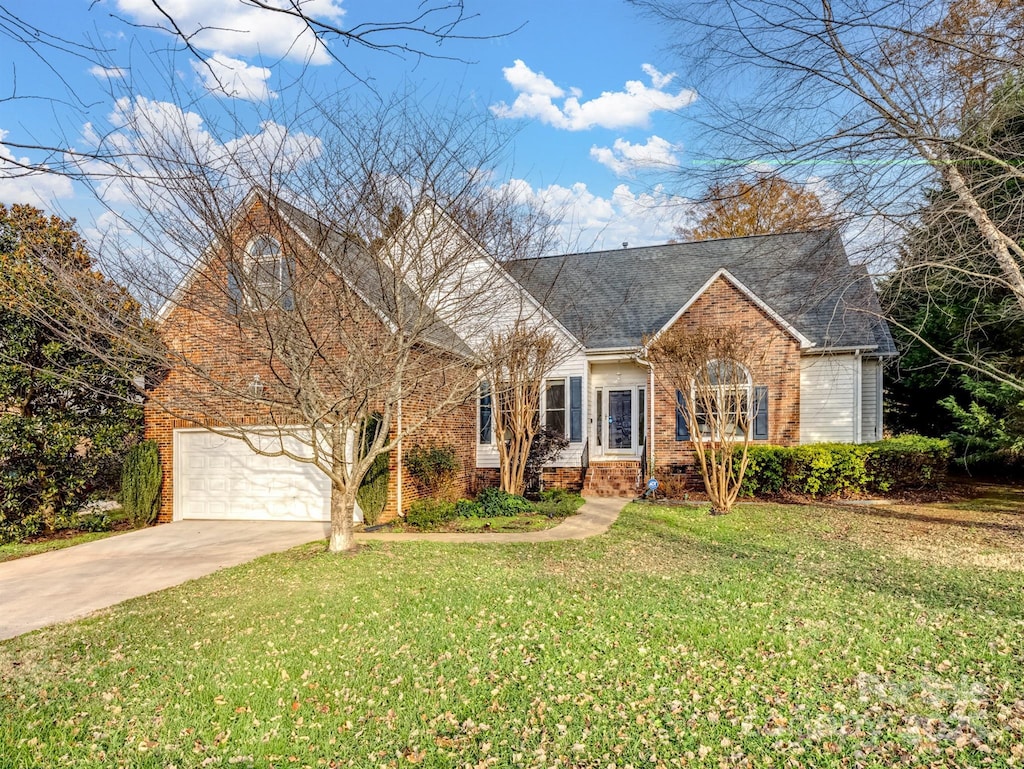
x=612 y=479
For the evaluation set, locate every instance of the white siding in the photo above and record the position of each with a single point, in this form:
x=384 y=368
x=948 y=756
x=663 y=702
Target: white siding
x=487 y=454
x=828 y=398
x=871 y=400
x=467 y=289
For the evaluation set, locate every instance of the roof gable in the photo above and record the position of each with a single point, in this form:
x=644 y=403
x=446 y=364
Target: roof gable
x=614 y=299
x=724 y=274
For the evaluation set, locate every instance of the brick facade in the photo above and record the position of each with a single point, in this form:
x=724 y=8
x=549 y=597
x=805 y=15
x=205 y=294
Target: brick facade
x=223 y=355
x=722 y=304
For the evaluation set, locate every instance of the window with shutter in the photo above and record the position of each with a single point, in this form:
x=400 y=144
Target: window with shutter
x=485 y=413
x=575 y=409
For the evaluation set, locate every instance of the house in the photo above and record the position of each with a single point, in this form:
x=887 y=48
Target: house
x=814 y=314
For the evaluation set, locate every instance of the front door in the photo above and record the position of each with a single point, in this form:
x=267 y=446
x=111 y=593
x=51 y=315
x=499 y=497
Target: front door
x=620 y=420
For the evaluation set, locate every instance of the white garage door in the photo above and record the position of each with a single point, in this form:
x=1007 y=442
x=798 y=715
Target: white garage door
x=216 y=476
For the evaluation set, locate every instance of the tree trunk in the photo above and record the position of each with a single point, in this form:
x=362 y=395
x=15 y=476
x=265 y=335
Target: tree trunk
x=343 y=497
x=343 y=505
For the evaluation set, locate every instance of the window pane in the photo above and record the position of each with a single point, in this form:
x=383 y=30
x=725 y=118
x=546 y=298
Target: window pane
x=556 y=395
x=554 y=407
x=556 y=422
x=642 y=414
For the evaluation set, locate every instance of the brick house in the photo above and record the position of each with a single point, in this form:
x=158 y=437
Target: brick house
x=814 y=313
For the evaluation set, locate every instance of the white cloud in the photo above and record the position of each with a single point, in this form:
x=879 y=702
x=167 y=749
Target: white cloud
x=625 y=158
x=155 y=139
x=108 y=73
x=20 y=184
x=239 y=28
x=591 y=222
x=658 y=79
x=234 y=78
x=525 y=80
x=630 y=108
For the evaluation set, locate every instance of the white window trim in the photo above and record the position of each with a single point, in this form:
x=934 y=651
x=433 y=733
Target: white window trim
x=253 y=260
x=543 y=411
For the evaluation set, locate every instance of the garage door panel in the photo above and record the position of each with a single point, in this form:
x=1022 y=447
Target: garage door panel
x=222 y=477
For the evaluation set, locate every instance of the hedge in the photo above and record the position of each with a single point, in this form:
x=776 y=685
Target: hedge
x=141 y=479
x=843 y=469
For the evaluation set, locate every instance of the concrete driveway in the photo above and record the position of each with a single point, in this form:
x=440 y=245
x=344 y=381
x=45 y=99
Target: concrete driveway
x=66 y=584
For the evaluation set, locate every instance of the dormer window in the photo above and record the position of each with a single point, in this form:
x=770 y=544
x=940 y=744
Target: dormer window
x=270 y=275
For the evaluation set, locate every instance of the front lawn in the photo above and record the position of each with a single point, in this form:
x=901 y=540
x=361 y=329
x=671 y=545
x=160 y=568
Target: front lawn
x=99 y=527
x=777 y=635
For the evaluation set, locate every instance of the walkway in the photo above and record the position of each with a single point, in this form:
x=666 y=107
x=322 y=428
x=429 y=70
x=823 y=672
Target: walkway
x=67 y=584
x=595 y=517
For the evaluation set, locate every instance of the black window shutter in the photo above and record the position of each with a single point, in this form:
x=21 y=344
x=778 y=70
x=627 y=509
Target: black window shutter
x=485 y=412
x=760 y=413
x=288 y=284
x=682 y=431
x=575 y=409
x=234 y=288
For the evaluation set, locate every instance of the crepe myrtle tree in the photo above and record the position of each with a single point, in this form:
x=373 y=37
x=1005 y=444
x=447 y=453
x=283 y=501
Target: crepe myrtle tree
x=711 y=370
x=518 y=361
x=322 y=284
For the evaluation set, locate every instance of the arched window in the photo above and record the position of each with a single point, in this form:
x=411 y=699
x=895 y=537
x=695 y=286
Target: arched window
x=270 y=274
x=723 y=399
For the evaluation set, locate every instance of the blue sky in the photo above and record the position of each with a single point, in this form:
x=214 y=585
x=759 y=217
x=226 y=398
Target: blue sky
x=604 y=119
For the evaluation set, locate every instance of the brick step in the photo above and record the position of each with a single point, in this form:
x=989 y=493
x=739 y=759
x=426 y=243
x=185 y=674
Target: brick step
x=611 y=480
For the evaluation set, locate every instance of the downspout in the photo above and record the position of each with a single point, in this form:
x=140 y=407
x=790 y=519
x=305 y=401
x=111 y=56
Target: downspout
x=398 y=449
x=858 y=386
x=650 y=427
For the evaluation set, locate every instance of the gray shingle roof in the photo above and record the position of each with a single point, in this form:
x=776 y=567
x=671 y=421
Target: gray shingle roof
x=615 y=298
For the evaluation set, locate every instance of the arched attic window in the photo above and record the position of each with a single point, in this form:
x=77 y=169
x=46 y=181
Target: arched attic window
x=269 y=275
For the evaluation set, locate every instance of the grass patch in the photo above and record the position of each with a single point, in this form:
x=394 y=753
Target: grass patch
x=778 y=634
x=116 y=520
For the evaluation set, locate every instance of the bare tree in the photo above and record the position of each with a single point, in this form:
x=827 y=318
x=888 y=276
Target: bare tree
x=418 y=30
x=324 y=286
x=519 y=358
x=884 y=100
x=713 y=369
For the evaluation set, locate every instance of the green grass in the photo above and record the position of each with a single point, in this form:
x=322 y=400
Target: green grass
x=12 y=550
x=64 y=538
x=777 y=635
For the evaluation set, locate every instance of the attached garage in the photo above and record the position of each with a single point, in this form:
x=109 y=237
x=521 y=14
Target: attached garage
x=221 y=477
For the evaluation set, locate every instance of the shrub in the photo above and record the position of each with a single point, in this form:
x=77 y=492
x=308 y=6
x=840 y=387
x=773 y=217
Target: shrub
x=558 y=503
x=373 y=490
x=826 y=469
x=467 y=508
x=434 y=468
x=546 y=446
x=836 y=469
x=425 y=513
x=908 y=462
x=94 y=522
x=497 y=503
x=766 y=472
x=140 y=483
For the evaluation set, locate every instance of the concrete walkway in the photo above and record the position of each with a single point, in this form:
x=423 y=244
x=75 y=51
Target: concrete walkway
x=595 y=517
x=68 y=584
